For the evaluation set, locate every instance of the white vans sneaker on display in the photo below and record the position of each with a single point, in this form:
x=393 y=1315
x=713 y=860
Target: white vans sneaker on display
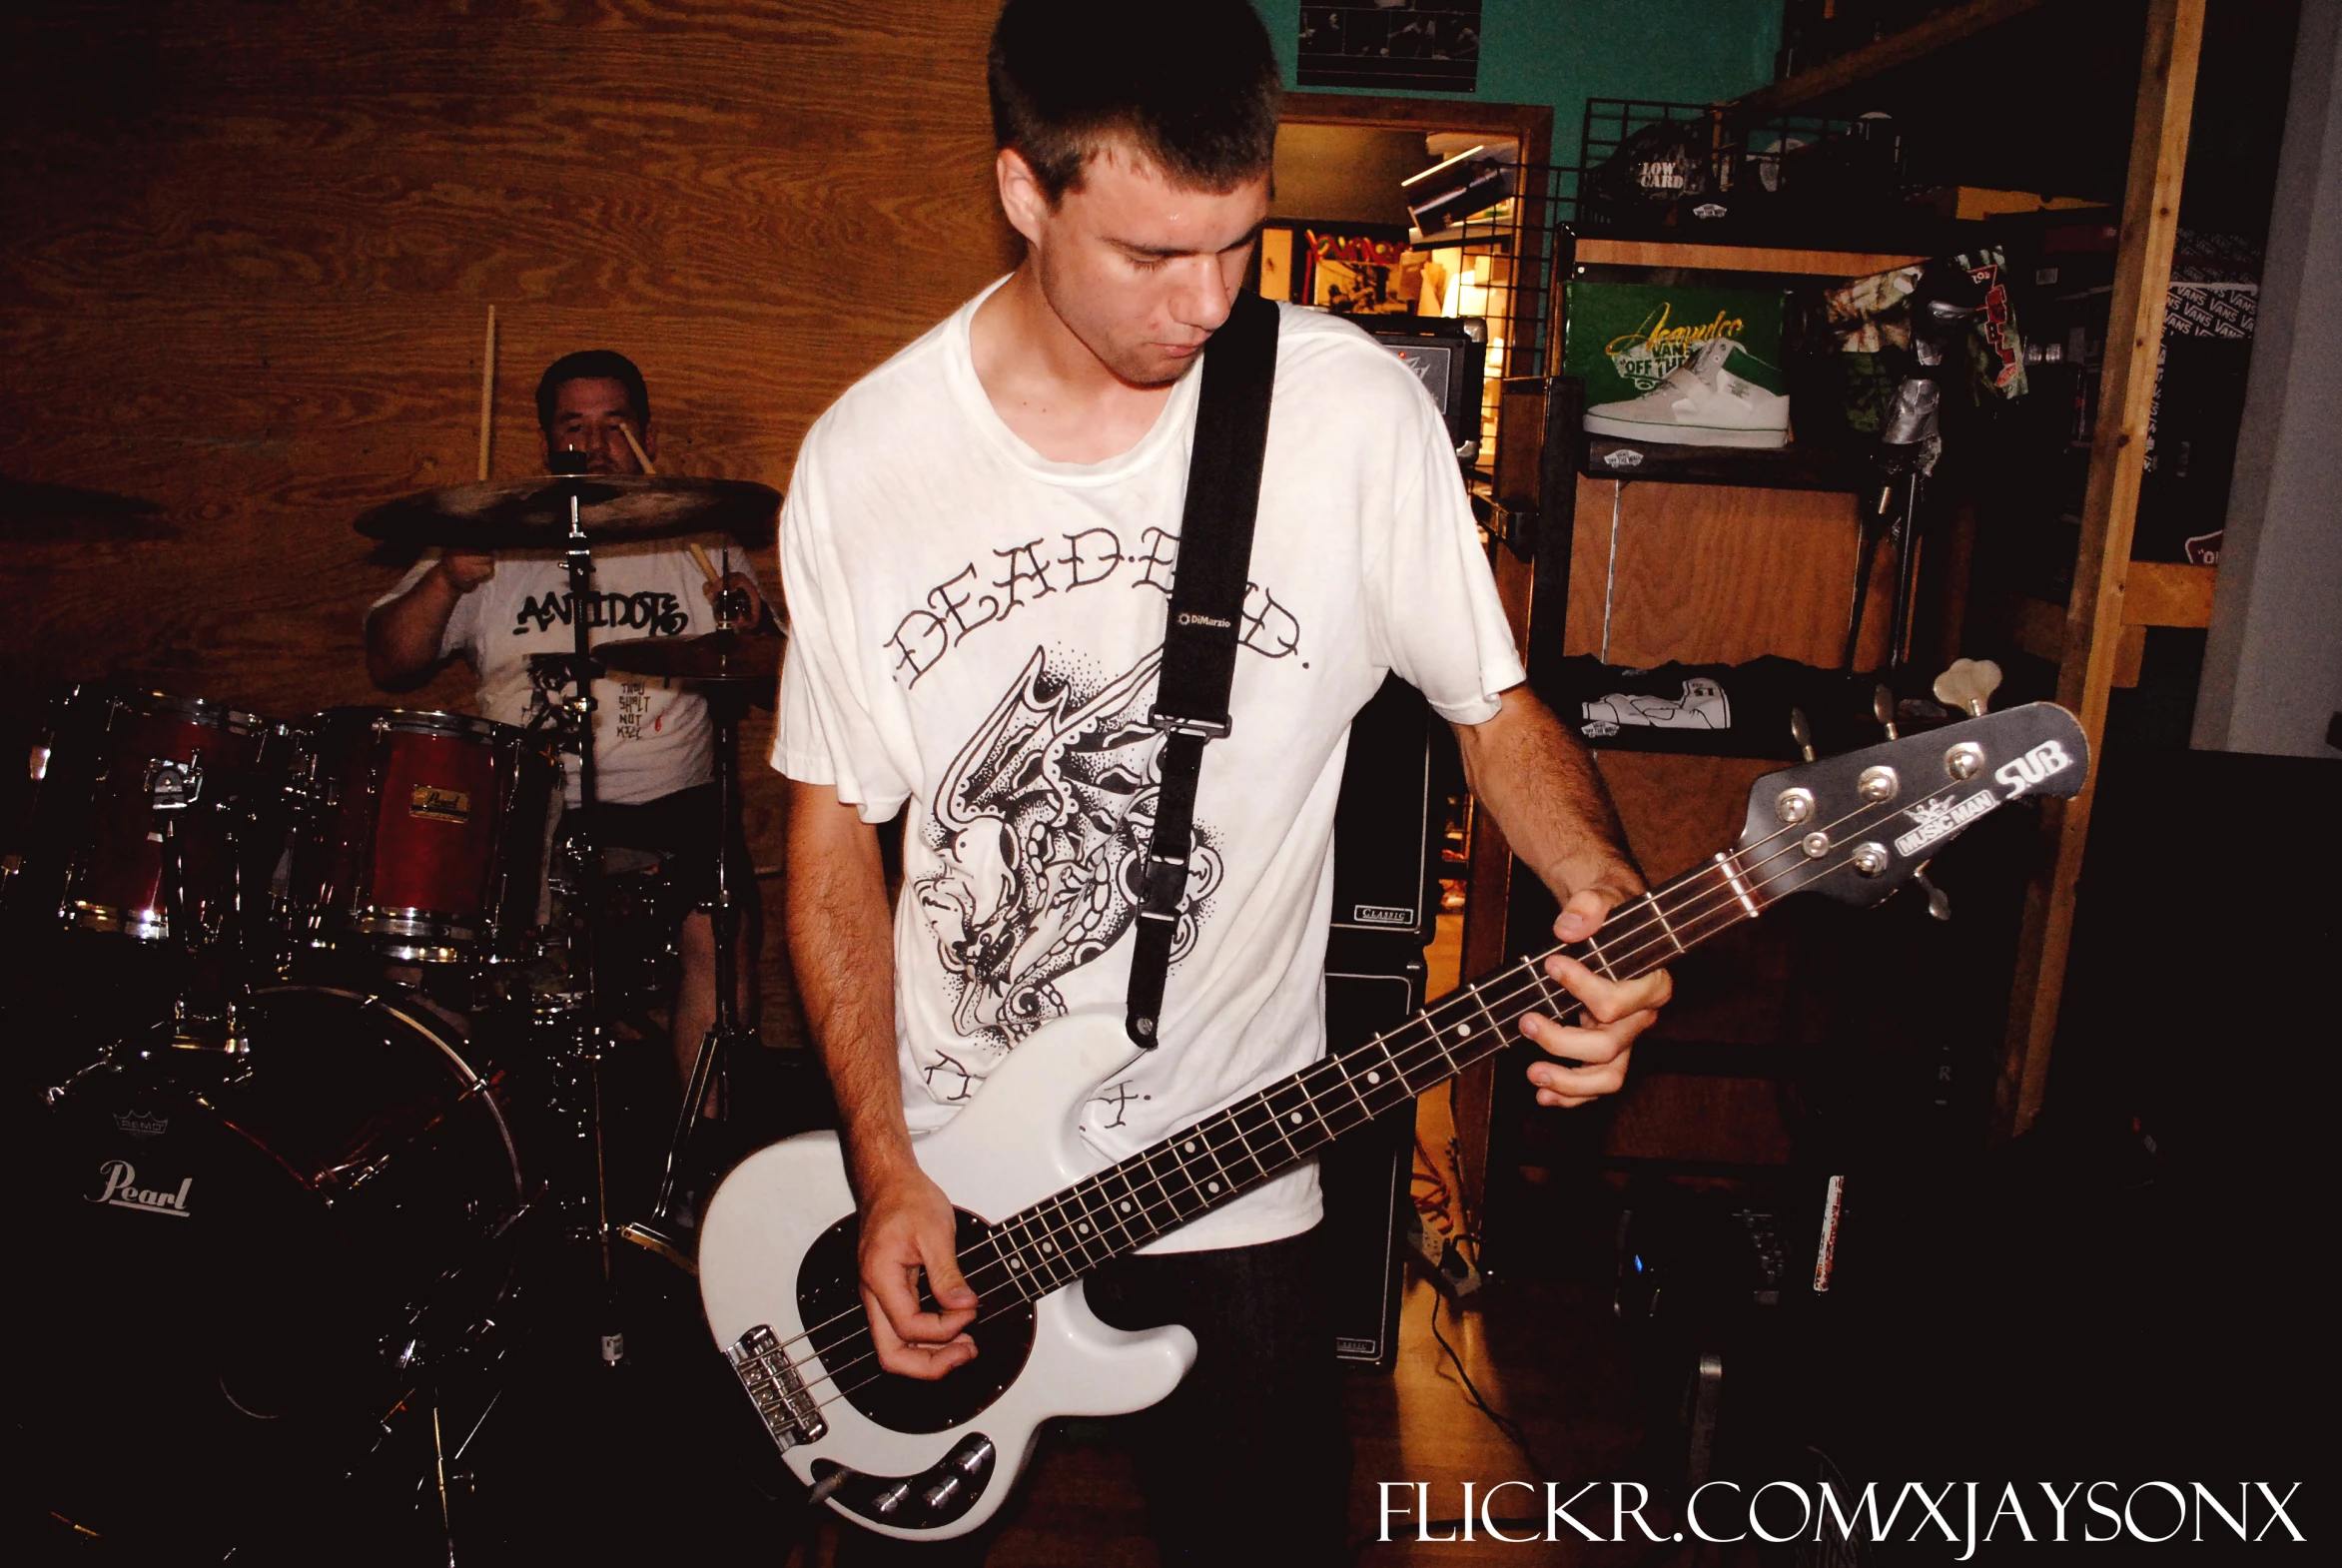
x=1701 y=403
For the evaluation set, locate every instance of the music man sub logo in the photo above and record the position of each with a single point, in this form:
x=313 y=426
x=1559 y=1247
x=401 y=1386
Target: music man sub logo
x=1941 y=818
x=2033 y=767
x=123 y=1192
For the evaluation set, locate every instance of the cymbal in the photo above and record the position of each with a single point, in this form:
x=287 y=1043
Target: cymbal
x=533 y=513
x=714 y=657
x=33 y=511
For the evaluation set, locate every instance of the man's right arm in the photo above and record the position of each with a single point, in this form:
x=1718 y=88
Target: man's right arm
x=402 y=636
x=841 y=946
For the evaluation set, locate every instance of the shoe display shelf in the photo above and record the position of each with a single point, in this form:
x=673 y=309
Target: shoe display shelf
x=1792 y=467
x=1795 y=467
x=1658 y=551
x=2116 y=130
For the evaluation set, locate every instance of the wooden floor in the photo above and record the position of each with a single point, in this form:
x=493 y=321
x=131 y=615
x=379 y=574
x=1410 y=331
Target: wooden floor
x=1543 y=1354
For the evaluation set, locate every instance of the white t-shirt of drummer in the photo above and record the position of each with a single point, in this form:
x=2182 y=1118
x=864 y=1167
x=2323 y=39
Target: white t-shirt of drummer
x=976 y=631
x=651 y=738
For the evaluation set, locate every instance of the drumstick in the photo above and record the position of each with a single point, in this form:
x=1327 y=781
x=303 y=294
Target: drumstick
x=707 y=565
x=488 y=395
x=640 y=455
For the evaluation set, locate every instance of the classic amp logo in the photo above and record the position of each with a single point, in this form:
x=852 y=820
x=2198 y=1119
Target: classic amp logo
x=122 y=1190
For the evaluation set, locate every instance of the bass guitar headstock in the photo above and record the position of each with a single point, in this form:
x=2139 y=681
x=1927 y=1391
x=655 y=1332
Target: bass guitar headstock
x=1858 y=826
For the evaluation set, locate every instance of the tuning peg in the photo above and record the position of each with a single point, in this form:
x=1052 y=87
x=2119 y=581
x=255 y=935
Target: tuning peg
x=1969 y=684
x=1938 y=903
x=1883 y=709
x=1801 y=732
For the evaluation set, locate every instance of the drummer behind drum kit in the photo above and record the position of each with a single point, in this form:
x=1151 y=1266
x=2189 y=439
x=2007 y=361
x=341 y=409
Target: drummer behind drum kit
x=290 y=1207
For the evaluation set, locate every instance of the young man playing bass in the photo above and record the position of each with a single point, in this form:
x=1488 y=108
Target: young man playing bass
x=978 y=545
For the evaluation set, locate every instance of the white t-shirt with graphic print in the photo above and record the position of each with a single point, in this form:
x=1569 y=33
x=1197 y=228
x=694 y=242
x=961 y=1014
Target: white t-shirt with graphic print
x=976 y=630
x=651 y=738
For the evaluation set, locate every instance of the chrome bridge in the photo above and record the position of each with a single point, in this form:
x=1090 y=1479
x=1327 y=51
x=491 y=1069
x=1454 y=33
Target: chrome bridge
x=776 y=1391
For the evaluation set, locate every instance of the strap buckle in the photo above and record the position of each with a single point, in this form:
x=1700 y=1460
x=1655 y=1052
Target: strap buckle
x=1173 y=724
x=1163 y=886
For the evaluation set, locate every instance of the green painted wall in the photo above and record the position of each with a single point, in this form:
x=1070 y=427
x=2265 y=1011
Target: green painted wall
x=1562 y=52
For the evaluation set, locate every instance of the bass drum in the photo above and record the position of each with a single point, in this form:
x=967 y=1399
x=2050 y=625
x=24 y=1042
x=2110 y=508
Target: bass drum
x=260 y=1271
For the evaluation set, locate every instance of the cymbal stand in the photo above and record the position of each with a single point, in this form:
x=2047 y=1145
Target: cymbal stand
x=579 y=556
x=668 y=1231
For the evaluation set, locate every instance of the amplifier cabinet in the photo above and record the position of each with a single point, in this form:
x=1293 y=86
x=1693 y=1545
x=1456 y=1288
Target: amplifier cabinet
x=1371 y=984
x=1383 y=823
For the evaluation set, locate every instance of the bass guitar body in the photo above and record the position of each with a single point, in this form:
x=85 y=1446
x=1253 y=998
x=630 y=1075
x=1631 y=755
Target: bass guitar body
x=909 y=1458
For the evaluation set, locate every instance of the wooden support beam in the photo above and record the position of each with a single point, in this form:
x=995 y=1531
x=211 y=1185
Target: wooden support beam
x=1739 y=257
x=2169 y=594
x=2095 y=617
x=1896 y=49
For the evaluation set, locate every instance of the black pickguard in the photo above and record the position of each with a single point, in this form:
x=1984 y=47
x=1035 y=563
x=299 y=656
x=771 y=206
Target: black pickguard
x=829 y=1295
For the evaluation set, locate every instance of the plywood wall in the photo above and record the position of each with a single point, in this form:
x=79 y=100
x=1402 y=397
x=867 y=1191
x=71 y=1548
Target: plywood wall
x=248 y=251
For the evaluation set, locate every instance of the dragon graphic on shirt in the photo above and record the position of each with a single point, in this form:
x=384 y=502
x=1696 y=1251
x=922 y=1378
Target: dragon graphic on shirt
x=1041 y=824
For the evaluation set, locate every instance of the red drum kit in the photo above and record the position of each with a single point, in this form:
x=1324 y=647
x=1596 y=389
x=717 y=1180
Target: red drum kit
x=340 y=1099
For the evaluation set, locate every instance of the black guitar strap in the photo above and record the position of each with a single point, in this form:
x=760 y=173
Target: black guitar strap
x=1206 y=618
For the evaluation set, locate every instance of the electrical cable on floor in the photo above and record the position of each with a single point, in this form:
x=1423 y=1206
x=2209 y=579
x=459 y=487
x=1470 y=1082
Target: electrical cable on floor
x=1504 y=1423
x=1439 y=1202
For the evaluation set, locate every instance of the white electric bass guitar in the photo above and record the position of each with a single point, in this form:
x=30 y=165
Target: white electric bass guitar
x=927 y=1461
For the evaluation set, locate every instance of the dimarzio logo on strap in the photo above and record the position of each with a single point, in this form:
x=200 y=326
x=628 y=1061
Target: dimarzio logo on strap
x=123 y=1192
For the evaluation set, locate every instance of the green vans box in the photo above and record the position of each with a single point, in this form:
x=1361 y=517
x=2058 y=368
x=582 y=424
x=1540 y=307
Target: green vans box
x=1624 y=336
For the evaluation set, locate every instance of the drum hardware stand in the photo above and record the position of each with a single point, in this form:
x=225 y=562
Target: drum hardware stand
x=670 y=1231
x=578 y=556
x=205 y=1023
x=1895 y=522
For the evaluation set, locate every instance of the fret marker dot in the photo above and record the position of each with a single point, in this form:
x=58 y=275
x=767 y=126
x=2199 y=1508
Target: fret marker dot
x=1463 y=1031
x=1295 y=1119
x=1015 y=1262
x=1049 y=1246
x=1375 y=1077
x=1125 y=1206
x=1084 y=1227
x=1211 y=1187
x=1188 y=1148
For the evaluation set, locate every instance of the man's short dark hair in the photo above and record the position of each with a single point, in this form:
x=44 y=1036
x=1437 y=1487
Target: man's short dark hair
x=591 y=364
x=1195 y=86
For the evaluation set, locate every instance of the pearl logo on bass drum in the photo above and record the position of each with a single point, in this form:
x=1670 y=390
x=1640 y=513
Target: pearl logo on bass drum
x=2028 y=771
x=123 y=1192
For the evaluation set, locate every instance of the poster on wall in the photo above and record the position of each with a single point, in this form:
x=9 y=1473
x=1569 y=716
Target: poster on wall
x=1356 y=270
x=1424 y=46
x=1349 y=269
